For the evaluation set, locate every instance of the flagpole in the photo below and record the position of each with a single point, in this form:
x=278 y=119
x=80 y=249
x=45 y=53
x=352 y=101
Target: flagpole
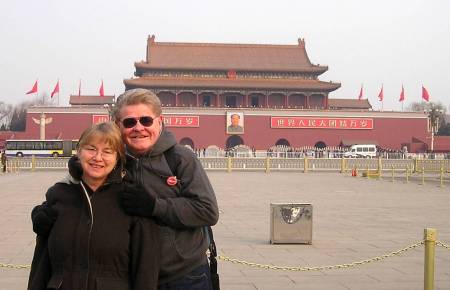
x=37 y=97
x=382 y=97
x=58 y=91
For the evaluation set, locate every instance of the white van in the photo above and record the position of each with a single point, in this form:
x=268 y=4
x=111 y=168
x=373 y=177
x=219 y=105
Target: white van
x=362 y=151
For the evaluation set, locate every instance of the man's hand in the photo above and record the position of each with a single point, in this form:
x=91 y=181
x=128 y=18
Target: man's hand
x=75 y=169
x=137 y=201
x=43 y=218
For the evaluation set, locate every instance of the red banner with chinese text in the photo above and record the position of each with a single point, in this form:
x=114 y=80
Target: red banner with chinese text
x=99 y=118
x=321 y=123
x=181 y=121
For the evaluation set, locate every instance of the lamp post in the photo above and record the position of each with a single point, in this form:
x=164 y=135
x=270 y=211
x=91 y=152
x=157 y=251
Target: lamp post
x=434 y=114
x=110 y=109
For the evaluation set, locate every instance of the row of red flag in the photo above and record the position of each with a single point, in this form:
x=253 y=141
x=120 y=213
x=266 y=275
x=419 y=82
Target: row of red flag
x=34 y=89
x=425 y=94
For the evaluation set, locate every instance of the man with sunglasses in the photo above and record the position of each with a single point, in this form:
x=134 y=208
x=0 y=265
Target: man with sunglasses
x=181 y=202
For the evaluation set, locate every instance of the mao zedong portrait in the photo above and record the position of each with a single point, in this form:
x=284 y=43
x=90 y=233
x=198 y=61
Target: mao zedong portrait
x=235 y=125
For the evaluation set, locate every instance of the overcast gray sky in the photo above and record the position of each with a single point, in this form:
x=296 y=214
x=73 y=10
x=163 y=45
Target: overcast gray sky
x=362 y=42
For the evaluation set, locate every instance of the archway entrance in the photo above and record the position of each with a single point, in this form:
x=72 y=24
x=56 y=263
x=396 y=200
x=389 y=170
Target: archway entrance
x=234 y=140
x=187 y=141
x=320 y=145
x=282 y=142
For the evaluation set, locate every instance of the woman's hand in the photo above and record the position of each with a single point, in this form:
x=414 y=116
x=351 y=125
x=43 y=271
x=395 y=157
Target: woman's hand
x=43 y=218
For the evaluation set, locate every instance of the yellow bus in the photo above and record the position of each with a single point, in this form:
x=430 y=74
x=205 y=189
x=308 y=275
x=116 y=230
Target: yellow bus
x=42 y=148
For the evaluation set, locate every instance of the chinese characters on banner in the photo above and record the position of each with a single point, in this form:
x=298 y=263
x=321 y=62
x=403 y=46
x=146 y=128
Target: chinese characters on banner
x=99 y=118
x=181 y=121
x=321 y=123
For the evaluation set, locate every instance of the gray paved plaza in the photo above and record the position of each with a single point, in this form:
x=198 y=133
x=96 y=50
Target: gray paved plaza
x=353 y=219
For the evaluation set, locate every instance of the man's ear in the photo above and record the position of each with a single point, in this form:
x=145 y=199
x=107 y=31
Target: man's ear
x=161 y=123
x=117 y=122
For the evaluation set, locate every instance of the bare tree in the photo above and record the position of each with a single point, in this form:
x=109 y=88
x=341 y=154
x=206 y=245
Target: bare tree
x=5 y=114
x=436 y=113
x=13 y=117
x=19 y=117
x=426 y=106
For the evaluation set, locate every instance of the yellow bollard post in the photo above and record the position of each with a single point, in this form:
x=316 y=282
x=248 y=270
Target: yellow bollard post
x=305 y=165
x=380 y=167
x=416 y=164
x=229 y=164
x=430 y=236
x=342 y=165
x=423 y=175
x=442 y=176
x=392 y=173
x=368 y=172
x=33 y=162
x=407 y=173
x=267 y=165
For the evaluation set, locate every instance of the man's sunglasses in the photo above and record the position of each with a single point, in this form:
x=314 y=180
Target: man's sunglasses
x=145 y=121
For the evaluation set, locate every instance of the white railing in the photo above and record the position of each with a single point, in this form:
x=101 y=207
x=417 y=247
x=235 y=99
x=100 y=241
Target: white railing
x=267 y=164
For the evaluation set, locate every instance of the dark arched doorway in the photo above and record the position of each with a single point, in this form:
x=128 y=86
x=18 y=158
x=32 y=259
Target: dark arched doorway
x=234 y=141
x=282 y=142
x=187 y=141
x=320 y=145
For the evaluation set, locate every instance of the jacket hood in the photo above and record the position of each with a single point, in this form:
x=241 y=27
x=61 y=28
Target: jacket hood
x=165 y=141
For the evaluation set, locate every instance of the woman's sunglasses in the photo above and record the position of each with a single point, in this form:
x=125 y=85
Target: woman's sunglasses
x=145 y=121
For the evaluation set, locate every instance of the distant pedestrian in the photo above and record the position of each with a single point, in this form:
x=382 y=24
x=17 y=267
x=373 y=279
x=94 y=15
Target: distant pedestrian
x=3 y=158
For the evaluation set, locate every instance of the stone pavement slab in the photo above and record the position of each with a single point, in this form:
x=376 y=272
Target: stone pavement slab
x=353 y=219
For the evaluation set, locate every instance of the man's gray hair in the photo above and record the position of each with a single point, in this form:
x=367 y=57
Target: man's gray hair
x=136 y=97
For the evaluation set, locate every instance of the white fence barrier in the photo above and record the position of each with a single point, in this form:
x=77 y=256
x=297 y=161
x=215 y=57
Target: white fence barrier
x=267 y=164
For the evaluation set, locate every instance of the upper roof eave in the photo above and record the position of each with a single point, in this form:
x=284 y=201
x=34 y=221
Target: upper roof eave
x=310 y=69
x=148 y=82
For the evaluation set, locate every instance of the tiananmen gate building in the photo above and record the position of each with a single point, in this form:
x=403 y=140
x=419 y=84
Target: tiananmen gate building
x=258 y=95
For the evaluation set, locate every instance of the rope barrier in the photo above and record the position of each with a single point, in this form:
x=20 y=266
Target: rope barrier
x=441 y=244
x=293 y=268
x=319 y=268
x=12 y=266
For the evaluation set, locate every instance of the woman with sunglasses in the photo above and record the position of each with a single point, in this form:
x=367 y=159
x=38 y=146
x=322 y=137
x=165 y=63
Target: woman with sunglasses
x=91 y=243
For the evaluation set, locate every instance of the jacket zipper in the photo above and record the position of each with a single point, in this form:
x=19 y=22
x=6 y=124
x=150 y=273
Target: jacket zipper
x=139 y=170
x=88 y=198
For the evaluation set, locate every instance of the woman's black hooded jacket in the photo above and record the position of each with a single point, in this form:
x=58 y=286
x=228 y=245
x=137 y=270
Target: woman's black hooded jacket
x=93 y=244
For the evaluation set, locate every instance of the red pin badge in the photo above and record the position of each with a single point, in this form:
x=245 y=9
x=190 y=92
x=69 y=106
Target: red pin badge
x=172 y=180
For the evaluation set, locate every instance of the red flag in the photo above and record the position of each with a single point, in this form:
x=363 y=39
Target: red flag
x=425 y=94
x=34 y=89
x=381 y=95
x=55 y=90
x=102 y=90
x=402 y=95
x=360 y=93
